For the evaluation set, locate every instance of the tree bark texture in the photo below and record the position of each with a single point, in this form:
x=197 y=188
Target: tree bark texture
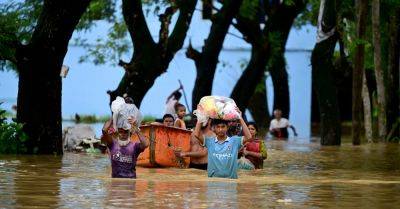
x=358 y=72
x=150 y=59
x=367 y=111
x=39 y=64
x=268 y=46
x=393 y=106
x=322 y=78
x=379 y=74
x=258 y=107
x=206 y=61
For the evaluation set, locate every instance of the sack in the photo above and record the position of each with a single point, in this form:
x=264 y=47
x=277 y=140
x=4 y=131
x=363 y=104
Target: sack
x=216 y=107
x=122 y=111
x=245 y=164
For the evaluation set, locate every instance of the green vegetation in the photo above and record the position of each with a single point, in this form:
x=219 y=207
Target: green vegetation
x=12 y=137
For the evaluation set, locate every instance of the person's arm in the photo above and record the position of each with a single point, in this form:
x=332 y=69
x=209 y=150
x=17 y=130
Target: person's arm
x=197 y=133
x=174 y=92
x=142 y=140
x=254 y=154
x=201 y=153
x=180 y=124
x=293 y=129
x=106 y=137
x=246 y=132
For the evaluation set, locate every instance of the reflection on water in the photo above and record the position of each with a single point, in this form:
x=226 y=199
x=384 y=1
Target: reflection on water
x=296 y=175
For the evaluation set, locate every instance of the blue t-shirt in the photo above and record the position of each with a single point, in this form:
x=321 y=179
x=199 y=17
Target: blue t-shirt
x=222 y=156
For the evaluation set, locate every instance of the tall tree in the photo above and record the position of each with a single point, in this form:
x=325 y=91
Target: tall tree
x=258 y=107
x=379 y=74
x=268 y=49
x=393 y=111
x=322 y=67
x=150 y=59
x=206 y=61
x=358 y=71
x=367 y=110
x=38 y=62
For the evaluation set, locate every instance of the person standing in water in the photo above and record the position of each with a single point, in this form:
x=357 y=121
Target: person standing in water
x=278 y=126
x=222 y=150
x=255 y=150
x=198 y=153
x=123 y=152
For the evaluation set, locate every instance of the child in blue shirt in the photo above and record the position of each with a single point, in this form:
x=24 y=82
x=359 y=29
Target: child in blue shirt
x=222 y=149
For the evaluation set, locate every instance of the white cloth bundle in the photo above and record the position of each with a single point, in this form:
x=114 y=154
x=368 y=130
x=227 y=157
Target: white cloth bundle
x=122 y=111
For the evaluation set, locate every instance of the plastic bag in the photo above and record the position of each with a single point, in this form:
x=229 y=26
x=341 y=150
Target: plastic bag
x=245 y=164
x=216 y=107
x=122 y=111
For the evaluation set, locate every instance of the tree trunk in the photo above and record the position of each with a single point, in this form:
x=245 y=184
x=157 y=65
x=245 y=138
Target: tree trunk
x=280 y=81
x=367 y=111
x=39 y=65
x=376 y=35
x=206 y=61
x=150 y=59
x=271 y=42
x=393 y=110
x=258 y=107
x=361 y=7
x=248 y=80
x=323 y=81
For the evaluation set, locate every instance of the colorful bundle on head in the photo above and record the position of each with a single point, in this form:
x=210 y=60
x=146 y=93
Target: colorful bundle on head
x=216 y=107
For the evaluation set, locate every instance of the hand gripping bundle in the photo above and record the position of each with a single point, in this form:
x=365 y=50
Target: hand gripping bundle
x=216 y=107
x=122 y=111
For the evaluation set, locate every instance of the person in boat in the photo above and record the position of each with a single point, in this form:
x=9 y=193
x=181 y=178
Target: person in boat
x=222 y=150
x=254 y=150
x=198 y=153
x=172 y=100
x=180 y=112
x=279 y=125
x=167 y=120
x=123 y=152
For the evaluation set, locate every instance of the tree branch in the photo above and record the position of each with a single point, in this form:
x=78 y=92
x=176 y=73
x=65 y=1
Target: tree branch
x=137 y=26
x=178 y=35
x=165 y=20
x=250 y=29
x=192 y=53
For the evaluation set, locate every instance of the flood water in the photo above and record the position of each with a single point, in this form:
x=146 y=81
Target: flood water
x=296 y=175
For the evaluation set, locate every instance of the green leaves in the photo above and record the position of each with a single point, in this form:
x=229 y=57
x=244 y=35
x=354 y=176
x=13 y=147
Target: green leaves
x=98 y=10
x=249 y=9
x=12 y=137
x=107 y=50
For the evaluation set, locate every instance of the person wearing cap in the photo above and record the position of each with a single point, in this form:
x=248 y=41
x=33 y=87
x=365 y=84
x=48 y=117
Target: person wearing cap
x=123 y=152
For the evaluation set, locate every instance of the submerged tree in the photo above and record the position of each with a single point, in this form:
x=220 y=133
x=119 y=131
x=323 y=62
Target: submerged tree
x=322 y=67
x=206 y=61
x=268 y=49
x=150 y=59
x=34 y=37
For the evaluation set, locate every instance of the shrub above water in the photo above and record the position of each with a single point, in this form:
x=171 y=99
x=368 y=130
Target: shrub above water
x=12 y=137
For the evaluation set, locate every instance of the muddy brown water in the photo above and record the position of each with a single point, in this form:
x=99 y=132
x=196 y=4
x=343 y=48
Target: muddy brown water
x=296 y=175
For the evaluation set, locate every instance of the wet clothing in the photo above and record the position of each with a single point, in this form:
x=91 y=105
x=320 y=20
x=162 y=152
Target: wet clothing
x=123 y=159
x=222 y=156
x=278 y=128
x=257 y=146
x=198 y=166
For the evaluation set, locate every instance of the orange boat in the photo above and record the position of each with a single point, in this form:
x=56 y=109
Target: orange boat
x=163 y=142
